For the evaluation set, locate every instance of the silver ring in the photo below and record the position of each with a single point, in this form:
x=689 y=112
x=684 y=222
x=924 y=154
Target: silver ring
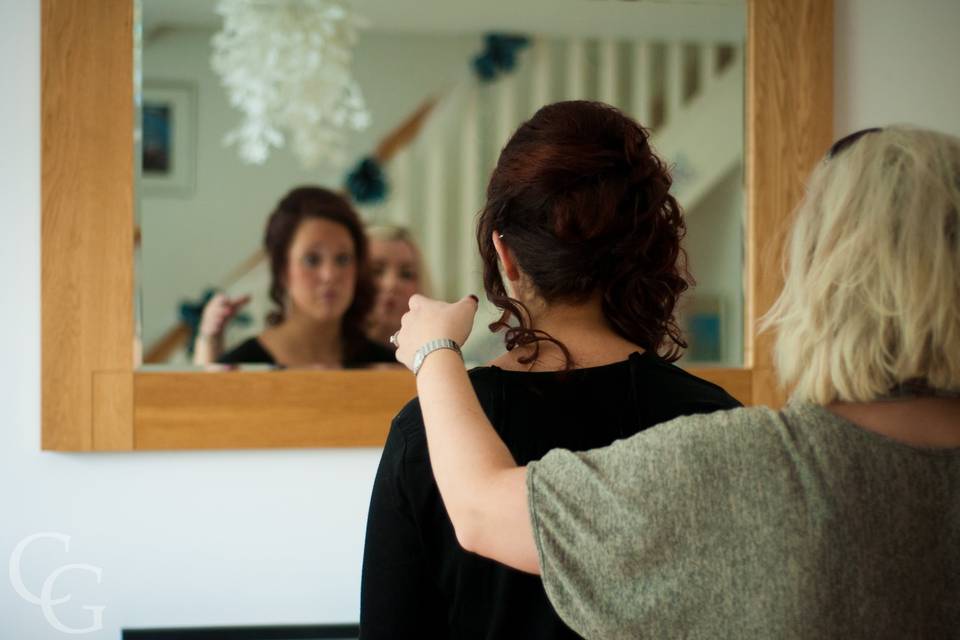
x=393 y=340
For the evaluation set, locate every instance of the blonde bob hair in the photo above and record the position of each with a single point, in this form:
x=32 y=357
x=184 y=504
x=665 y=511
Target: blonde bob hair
x=396 y=233
x=871 y=300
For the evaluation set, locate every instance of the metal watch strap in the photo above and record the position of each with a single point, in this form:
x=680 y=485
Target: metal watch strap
x=430 y=347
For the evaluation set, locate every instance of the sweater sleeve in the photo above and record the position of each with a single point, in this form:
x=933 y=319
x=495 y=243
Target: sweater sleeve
x=635 y=537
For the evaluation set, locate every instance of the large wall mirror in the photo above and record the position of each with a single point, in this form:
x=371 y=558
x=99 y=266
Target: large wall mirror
x=738 y=95
x=677 y=67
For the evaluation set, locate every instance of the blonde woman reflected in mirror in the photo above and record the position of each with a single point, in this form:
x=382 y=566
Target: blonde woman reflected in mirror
x=320 y=285
x=835 y=517
x=399 y=271
x=580 y=241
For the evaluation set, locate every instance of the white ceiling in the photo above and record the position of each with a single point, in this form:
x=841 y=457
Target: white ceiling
x=661 y=19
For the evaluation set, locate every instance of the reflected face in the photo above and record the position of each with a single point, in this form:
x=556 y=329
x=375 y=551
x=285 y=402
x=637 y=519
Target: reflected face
x=395 y=271
x=321 y=269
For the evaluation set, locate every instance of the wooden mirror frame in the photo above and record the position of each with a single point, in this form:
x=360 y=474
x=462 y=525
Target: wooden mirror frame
x=94 y=399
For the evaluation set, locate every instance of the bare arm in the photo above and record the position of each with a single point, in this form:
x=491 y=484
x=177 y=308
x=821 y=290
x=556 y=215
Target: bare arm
x=482 y=487
x=208 y=345
x=206 y=349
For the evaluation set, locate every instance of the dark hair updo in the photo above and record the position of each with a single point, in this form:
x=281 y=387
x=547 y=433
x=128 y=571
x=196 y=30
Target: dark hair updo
x=584 y=205
x=304 y=203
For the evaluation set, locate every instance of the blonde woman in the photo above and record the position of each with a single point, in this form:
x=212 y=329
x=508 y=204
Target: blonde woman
x=399 y=272
x=836 y=517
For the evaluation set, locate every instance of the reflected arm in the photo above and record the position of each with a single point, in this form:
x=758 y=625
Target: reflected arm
x=208 y=346
x=206 y=349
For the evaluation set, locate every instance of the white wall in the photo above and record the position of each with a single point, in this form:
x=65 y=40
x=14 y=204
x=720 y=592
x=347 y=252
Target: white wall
x=714 y=245
x=896 y=62
x=274 y=536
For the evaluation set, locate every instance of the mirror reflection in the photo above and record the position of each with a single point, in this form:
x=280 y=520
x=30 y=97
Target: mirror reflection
x=251 y=253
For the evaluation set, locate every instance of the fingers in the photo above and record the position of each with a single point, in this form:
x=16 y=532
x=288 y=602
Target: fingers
x=215 y=302
x=417 y=301
x=230 y=306
x=429 y=319
x=219 y=311
x=240 y=301
x=220 y=300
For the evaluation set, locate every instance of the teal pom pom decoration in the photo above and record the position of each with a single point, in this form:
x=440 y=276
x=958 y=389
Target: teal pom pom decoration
x=499 y=55
x=367 y=183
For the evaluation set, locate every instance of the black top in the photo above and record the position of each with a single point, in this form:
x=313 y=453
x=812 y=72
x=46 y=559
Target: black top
x=417 y=580
x=252 y=351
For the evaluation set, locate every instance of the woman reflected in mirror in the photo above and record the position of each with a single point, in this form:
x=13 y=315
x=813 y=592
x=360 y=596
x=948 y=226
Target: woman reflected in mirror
x=320 y=285
x=580 y=241
x=398 y=270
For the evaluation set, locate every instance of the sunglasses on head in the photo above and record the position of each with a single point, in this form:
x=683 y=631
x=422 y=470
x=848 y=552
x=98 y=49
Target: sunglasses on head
x=848 y=140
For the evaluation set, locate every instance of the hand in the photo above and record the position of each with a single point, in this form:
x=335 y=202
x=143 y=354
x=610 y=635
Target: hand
x=217 y=313
x=431 y=320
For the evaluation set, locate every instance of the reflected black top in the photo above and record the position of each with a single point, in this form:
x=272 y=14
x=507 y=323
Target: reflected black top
x=252 y=351
x=417 y=581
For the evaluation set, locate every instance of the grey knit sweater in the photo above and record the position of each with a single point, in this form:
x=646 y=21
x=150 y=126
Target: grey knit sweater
x=751 y=523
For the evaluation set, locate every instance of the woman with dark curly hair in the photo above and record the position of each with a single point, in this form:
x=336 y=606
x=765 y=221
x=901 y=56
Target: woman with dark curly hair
x=581 y=245
x=320 y=283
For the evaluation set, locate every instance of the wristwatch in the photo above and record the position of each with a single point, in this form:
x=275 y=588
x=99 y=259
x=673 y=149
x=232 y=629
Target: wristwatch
x=430 y=347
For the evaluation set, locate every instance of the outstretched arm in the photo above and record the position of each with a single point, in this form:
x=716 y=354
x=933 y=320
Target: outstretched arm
x=482 y=487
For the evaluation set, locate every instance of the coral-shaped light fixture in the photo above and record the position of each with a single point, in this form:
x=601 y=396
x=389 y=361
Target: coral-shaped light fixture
x=286 y=65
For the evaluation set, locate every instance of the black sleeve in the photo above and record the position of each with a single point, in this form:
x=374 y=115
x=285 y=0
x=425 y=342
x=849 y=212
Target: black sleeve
x=368 y=353
x=674 y=392
x=398 y=599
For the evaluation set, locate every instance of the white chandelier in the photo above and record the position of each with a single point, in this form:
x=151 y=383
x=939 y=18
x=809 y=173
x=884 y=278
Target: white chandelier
x=286 y=65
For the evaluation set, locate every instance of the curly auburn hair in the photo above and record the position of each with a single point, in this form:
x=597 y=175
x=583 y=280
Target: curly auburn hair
x=583 y=203
x=304 y=203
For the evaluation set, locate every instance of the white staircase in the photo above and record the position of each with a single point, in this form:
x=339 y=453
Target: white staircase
x=690 y=95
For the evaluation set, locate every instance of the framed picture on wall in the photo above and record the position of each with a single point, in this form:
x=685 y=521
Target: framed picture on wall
x=168 y=133
x=701 y=319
